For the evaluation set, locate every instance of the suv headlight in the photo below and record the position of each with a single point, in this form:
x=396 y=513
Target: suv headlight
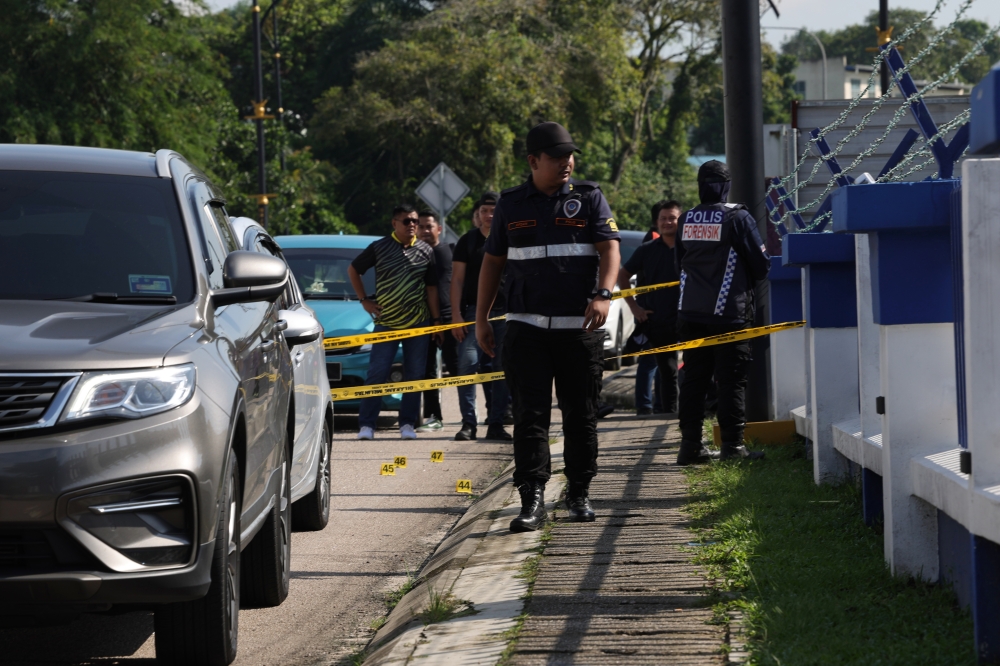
x=131 y=394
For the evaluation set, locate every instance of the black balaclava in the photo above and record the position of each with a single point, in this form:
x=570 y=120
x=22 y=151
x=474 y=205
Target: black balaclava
x=713 y=182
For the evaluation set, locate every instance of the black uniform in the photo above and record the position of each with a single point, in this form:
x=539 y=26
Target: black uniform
x=721 y=256
x=551 y=275
x=654 y=263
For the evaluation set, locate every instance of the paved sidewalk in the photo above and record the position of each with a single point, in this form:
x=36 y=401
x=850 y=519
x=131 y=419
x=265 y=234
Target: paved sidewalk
x=623 y=589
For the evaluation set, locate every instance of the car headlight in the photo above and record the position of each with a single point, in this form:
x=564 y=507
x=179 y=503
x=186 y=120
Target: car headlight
x=131 y=394
x=365 y=347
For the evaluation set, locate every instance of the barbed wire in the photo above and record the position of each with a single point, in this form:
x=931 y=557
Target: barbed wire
x=894 y=173
x=837 y=122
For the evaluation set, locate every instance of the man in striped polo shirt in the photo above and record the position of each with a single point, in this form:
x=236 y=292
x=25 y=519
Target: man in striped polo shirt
x=405 y=297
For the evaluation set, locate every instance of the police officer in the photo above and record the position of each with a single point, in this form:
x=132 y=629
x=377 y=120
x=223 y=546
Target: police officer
x=559 y=244
x=721 y=256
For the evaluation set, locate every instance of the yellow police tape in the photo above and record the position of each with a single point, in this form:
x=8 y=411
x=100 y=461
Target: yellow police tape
x=376 y=390
x=722 y=339
x=402 y=334
x=635 y=291
x=389 y=336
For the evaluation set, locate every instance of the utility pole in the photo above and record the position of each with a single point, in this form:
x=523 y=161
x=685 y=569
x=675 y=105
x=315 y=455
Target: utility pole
x=744 y=122
x=259 y=106
x=884 y=35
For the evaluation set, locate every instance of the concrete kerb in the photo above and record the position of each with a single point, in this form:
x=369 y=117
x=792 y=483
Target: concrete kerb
x=619 y=388
x=478 y=563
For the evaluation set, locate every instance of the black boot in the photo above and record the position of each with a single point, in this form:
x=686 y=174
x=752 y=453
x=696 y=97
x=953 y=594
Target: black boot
x=693 y=453
x=467 y=433
x=496 y=431
x=578 y=505
x=532 y=514
x=739 y=452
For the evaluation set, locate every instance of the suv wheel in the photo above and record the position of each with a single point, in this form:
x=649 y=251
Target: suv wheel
x=267 y=560
x=312 y=512
x=205 y=631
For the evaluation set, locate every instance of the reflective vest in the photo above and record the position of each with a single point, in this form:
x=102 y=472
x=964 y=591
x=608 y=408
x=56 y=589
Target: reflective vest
x=552 y=263
x=714 y=278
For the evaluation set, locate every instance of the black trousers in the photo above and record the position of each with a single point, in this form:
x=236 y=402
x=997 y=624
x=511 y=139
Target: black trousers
x=532 y=359
x=729 y=363
x=662 y=334
x=449 y=358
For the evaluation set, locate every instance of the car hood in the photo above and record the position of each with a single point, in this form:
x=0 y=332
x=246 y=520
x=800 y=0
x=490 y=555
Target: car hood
x=47 y=336
x=341 y=317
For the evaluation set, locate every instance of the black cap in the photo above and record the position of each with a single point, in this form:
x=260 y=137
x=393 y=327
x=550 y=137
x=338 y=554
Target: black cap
x=488 y=199
x=713 y=171
x=551 y=138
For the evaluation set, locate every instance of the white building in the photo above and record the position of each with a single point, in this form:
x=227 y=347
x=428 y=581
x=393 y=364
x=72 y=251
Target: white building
x=845 y=81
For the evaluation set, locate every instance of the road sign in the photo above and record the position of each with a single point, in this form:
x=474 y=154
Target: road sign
x=442 y=190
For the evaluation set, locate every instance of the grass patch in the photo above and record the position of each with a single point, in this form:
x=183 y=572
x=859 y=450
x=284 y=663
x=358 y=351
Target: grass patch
x=528 y=573
x=395 y=596
x=443 y=607
x=809 y=576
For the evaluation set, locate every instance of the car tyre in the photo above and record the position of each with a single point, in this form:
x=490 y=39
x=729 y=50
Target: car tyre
x=312 y=512
x=615 y=363
x=205 y=631
x=267 y=559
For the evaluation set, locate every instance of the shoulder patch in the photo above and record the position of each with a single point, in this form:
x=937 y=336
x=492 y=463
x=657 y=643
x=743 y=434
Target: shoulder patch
x=584 y=185
x=613 y=224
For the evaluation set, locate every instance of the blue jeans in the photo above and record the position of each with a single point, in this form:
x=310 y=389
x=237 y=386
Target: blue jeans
x=468 y=363
x=647 y=383
x=379 y=367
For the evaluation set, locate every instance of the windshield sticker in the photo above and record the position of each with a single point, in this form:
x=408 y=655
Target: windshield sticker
x=150 y=284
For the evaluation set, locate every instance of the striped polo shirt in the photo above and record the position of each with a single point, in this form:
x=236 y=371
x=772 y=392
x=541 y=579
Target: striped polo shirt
x=402 y=273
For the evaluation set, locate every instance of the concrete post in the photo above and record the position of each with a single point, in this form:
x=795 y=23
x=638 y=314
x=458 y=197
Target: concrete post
x=981 y=282
x=830 y=309
x=788 y=388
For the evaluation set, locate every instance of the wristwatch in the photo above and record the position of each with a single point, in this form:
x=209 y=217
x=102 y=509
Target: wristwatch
x=603 y=293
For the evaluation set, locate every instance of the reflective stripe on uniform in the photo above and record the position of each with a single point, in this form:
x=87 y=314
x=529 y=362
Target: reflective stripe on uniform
x=727 y=282
x=541 y=321
x=561 y=250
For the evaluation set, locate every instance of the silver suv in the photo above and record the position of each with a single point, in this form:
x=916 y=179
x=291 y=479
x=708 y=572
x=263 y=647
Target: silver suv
x=146 y=410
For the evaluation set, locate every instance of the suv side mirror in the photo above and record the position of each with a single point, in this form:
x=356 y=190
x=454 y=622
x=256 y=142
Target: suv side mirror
x=250 y=277
x=302 y=327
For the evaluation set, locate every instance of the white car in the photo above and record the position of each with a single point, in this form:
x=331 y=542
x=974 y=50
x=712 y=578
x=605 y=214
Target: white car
x=313 y=406
x=620 y=324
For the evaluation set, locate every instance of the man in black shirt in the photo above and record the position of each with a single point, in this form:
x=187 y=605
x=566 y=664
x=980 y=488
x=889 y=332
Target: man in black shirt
x=653 y=263
x=466 y=264
x=429 y=231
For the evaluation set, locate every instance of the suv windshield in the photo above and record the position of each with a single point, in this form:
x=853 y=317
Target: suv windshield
x=322 y=272
x=92 y=237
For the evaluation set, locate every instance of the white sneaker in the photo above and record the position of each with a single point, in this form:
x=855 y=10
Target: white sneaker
x=407 y=432
x=366 y=433
x=430 y=424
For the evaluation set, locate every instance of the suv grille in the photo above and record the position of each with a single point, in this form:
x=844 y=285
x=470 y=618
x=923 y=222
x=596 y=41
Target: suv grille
x=41 y=550
x=24 y=399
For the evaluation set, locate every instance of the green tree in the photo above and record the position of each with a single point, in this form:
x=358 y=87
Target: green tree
x=855 y=40
x=134 y=75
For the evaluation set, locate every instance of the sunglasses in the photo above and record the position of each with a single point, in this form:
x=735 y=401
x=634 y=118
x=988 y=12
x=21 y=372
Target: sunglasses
x=408 y=221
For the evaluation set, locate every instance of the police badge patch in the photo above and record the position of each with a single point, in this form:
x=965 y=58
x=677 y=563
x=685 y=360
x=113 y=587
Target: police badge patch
x=572 y=206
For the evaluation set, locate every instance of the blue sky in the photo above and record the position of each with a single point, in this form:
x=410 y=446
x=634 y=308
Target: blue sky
x=827 y=14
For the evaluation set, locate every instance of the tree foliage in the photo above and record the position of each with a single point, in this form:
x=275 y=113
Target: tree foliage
x=855 y=40
x=375 y=93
